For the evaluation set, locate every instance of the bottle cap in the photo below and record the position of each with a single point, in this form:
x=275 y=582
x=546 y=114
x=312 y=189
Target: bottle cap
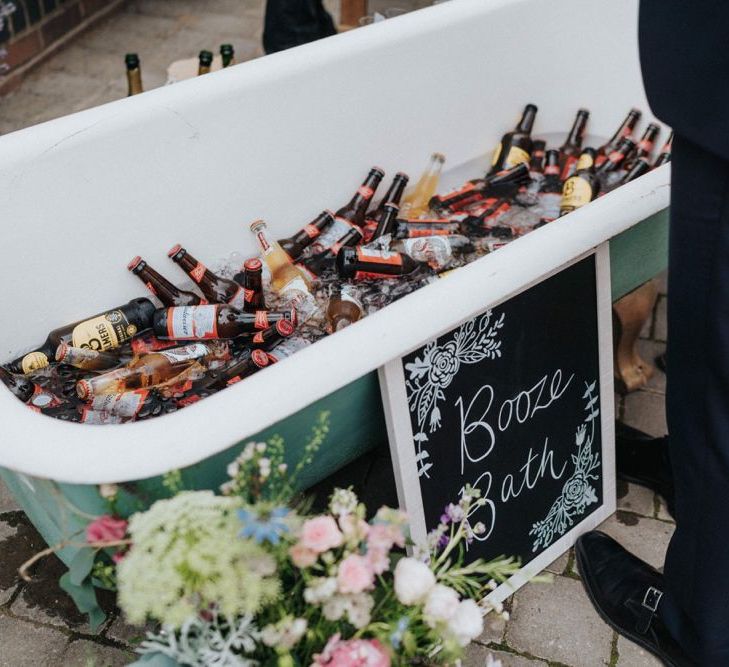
x=174 y=250
x=83 y=389
x=131 y=60
x=134 y=263
x=379 y=170
x=259 y=358
x=284 y=327
x=253 y=264
x=256 y=224
x=205 y=57
x=61 y=351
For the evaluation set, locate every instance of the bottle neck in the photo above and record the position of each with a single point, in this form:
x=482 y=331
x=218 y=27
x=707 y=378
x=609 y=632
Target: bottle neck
x=578 y=129
x=626 y=129
x=394 y=194
x=527 y=120
x=161 y=285
x=363 y=196
x=134 y=81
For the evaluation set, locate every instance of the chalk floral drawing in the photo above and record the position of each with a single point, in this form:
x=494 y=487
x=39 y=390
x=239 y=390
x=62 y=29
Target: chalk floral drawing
x=428 y=376
x=578 y=491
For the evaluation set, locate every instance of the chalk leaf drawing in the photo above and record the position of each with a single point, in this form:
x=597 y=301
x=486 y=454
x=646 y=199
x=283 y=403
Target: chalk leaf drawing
x=431 y=374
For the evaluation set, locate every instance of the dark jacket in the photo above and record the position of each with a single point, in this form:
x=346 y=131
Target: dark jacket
x=684 y=53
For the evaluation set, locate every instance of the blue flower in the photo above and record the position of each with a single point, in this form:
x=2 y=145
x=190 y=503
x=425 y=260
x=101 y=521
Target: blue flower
x=396 y=637
x=263 y=528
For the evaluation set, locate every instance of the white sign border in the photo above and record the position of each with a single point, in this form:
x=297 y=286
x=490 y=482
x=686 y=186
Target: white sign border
x=400 y=432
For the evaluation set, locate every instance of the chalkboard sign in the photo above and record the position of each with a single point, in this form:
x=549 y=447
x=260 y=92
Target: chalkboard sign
x=511 y=402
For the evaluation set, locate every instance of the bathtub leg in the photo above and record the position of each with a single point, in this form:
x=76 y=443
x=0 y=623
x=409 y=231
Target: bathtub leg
x=629 y=317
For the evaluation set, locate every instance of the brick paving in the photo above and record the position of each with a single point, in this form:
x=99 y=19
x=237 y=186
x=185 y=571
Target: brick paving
x=550 y=624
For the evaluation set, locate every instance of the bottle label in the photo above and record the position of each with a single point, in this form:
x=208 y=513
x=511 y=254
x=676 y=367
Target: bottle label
x=615 y=157
x=266 y=247
x=551 y=170
x=571 y=164
x=258 y=338
x=126 y=404
x=192 y=322
x=415 y=233
x=104 y=332
x=576 y=192
x=379 y=257
x=198 y=272
x=150 y=344
x=96 y=418
x=515 y=156
x=334 y=232
x=371 y=275
x=261 y=319
x=187 y=353
x=248 y=295
x=33 y=361
x=311 y=231
x=645 y=145
x=585 y=161
x=238 y=300
x=365 y=191
x=434 y=250
x=287 y=348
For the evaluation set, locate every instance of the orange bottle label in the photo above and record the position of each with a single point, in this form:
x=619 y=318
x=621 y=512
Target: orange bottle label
x=198 y=272
x=261 y=319
x=192 y=322
x=311 y=231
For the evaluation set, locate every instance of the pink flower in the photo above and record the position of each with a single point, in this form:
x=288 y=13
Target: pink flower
x=353 y=526
x=384 y=536
x=301 y=556
x=320 y=534
x=378 y=559
x=106 y=529
x=352 y=653
x=355 y=574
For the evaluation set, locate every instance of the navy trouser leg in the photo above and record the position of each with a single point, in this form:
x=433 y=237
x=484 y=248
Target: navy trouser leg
x=696 y=603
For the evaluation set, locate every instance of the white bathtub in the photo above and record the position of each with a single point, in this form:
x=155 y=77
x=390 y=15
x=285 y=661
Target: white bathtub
x=282 y=138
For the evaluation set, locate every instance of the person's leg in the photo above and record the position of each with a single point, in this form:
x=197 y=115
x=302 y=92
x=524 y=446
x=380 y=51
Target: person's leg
x=293 y=22
x=696 y=601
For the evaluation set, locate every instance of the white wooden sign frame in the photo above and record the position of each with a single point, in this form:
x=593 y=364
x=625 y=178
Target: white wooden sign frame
x=400 y=432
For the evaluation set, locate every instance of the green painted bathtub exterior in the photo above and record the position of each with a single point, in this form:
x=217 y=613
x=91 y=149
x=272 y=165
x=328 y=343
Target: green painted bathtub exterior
x=60 y=511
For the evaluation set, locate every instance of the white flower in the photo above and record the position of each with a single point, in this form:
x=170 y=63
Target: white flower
x=322 y=590
x=360 y=610
x=413 y=581
x=282 y=468
x=264 y=463
x=261 y=447
x=334 y=608
x=108 y=490
x=440 y=605
x=343 y=501
x=232 y=469
x=467 y=622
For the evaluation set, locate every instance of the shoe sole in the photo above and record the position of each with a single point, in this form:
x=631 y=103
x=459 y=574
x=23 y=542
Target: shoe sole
x=635 y=638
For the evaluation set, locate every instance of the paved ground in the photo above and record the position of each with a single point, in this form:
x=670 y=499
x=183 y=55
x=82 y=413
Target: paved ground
x=550 y=624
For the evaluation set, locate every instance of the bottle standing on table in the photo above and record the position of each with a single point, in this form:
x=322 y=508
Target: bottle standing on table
x=103 y=331
x=665 y=154
x=153 y=369
x=571 y=148
x=163 y=289
x=205 y=60
x=296 y=244
x=583 y=187
x=615 y=159
x=550 y=189
x=344 y=308
x=227 y=55
x=644 y=148
x=251 y=280
x=85 y=358
x=215 y=288
x=625 y=130
x=324 y=260
x=212 y=322
x=416 y=203
x=134 y=74
x=361 y=264
x=515 y=147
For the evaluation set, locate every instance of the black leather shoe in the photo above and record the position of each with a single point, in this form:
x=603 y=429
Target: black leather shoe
x=626 y=592
x=642 y=459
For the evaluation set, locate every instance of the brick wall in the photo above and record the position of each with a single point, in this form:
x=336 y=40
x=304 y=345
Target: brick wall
x=37 y=27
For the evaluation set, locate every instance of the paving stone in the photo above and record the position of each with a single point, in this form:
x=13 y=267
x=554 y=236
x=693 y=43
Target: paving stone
x=18 y=542
x=557 y=622
x=660 y=331
x=632 y=655
x=646 y=410
x=634 y=498
x=121 y=631
x=646 y=538
x=558 y=566
x=26 y=645
x=493 y=629
x=663 y=511
x=7 y=501
x=476 y=655
x=84 y=653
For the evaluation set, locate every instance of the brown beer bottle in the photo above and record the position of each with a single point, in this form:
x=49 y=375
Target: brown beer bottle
x=361 y=264
x=227 y=55
x=324 y=260
x=536 y=160
x=392 y=196
x=639 y=167
x=86 y=358
x=134 y=74
x=296 y=244
x=583 y=187
x=665 y=154
x=238 y=371
x=213 y=322
x=344 y=308
x=615 y=159
x=515 y=146
x=571 y=148
x=386 y=223
x=285 y=276
x=645 y=146
x=272 y=336
x=153 y=369
x=251 y=280
x=550 y=189
x=215 y=288
x=355 y=211
x=103 y=331
x=137 y=403
x=163 y=289
x=625 y=130
x=413 y=230
x=205 y=60
x=32 y=394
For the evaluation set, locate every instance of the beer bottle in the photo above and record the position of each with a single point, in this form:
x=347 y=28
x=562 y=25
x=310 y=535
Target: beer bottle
x=665 y=154
x=416 y=202
x=296 y=244
x=287 y=348
x=571 y=148
x=29 y=392
x=215 y=288
x=583 y=187
x=436 y=251
x=392 y=196
x=644 y=147
x=130 y=404
x=536 y=160
x=103 y=331
x=625 y=130
x=149 y=343
x=386 y=223
x=550 y=190
x=413 y=230
x=285 y=276
x=227 y=54
x=86 y=358
x=515 y=146
x=361 y=264
x=615 y=159
x=272 y=336
x=238 y=371
x=251 y=280
x=163 y=289
x=153 y=369
x=134 y=74
x=355 y=211
x=205 y=60
x=487 y=217
x=639 y=167
x=344 y=308
x=213 y=322
x=324 y=261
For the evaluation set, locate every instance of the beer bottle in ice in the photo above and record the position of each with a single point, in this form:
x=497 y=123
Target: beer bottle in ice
x=134 y=74
x=362 y=264
x=536 y=159
x=296 y=244
x=324 y=261
x=285 y=276
x=386 y=223
x=355 y=211
x=215 y=288
x=287 y=348
x=205 y=60
x=227 y=55
x=571 y=148
x=85 y=358
x=436 y=251
x=416 y=202
x=414 y=230
x=28 y=391
x=163 y=289
x=583 y=187
x=515 y=146
x=240 y=370
x=251 y=280
x=625 y=130
x=103 y=331
x=665 y=154
x=639 y=167
x=269 y=338
x=615 y=159
x=644 y=148
x=550 y=189
x=392 y=196
x=213 y=322
x=344 y=308
x=136 y=403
